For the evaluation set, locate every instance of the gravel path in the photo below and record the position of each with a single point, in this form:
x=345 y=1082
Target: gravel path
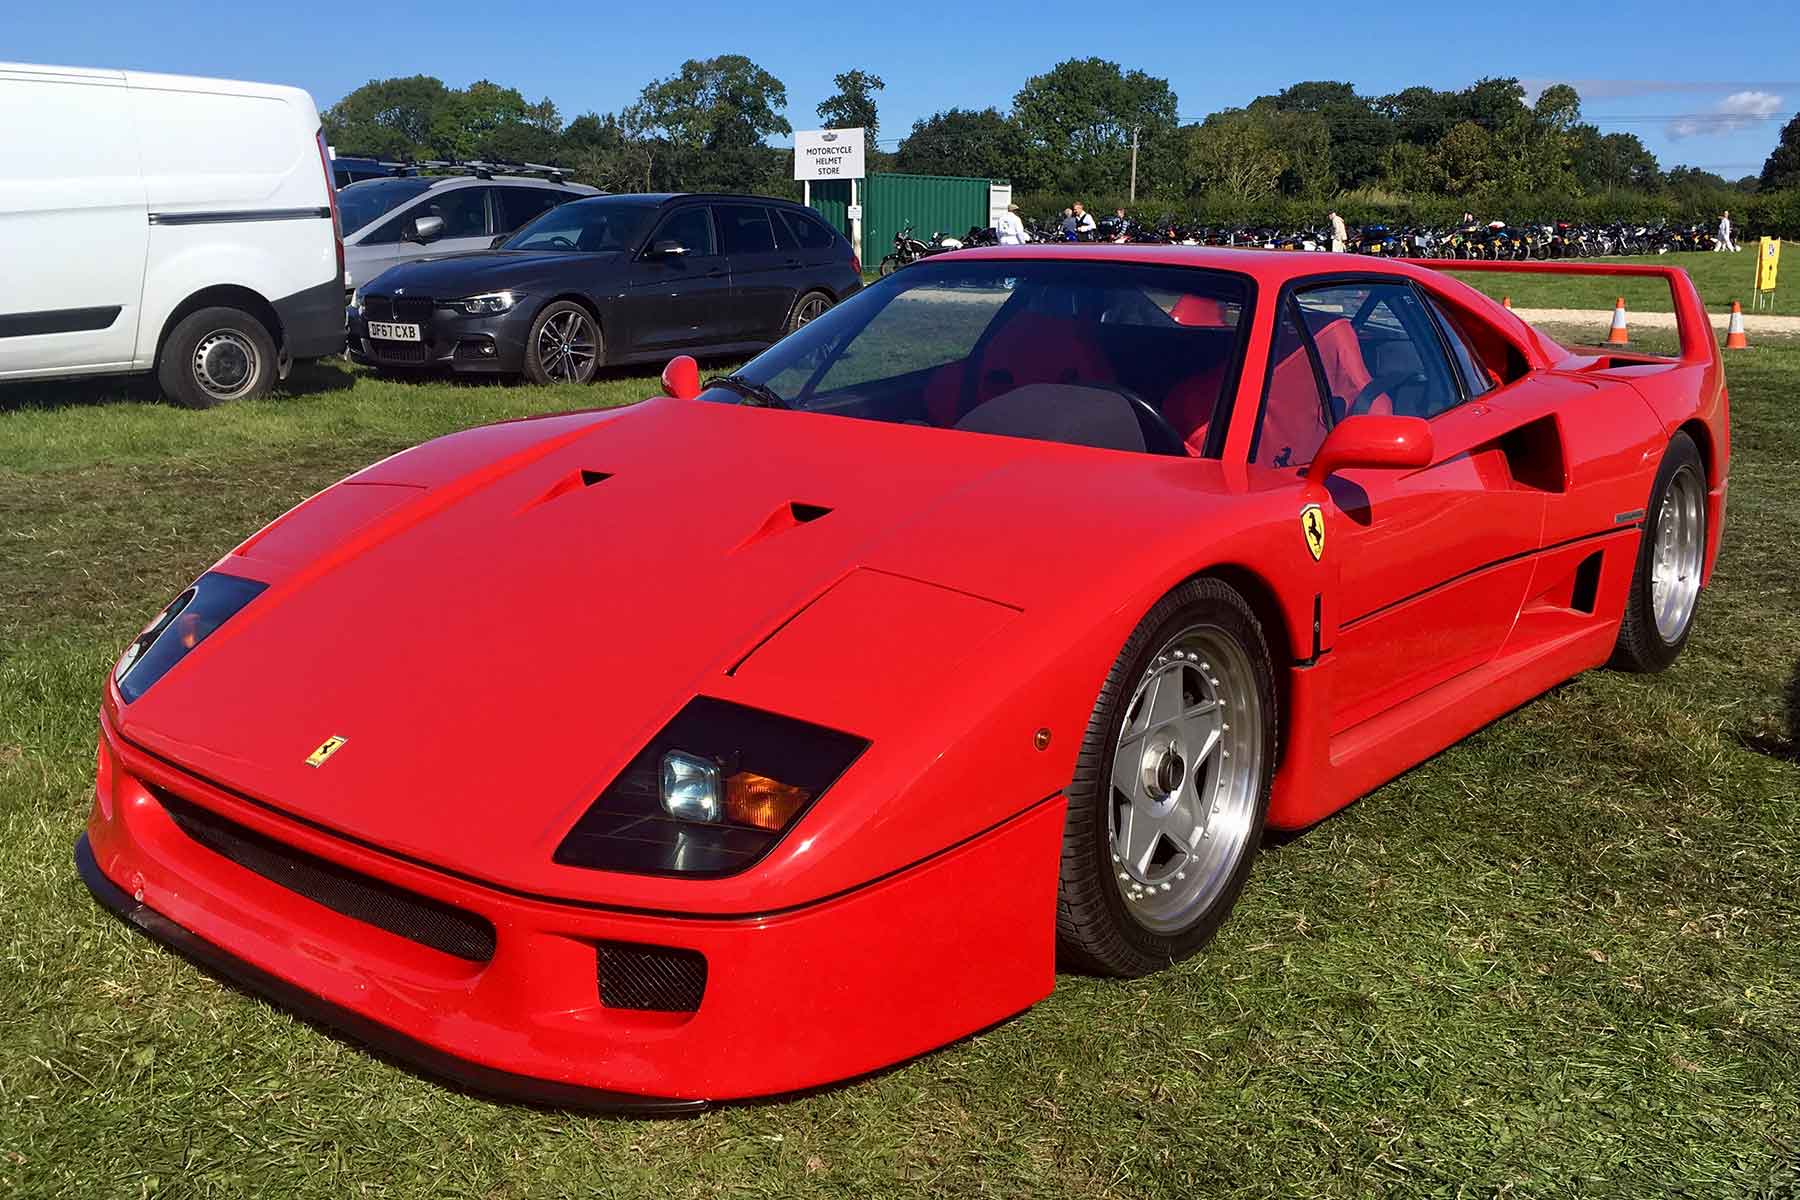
x=1754 y=323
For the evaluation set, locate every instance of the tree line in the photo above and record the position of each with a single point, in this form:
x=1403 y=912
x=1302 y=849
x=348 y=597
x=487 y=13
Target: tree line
x=1071 y=132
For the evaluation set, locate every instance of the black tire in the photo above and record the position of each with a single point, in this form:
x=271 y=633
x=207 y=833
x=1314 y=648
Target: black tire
x=1645 y=644
x=810 y=307
x=889 y=264
x=215 y=356
x=564 y=345
x=1096 y=927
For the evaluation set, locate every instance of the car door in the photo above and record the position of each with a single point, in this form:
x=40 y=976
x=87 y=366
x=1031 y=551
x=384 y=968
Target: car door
x=1429 y=568
x=764 y=276
x=679 y=286
x=73 y=224
x=516 y=204
x=468 y=221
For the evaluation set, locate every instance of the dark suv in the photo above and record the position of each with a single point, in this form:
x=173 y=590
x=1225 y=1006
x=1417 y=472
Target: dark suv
x=612 y=279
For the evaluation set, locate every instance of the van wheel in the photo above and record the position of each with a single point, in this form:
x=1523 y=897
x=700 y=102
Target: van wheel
x=216 y=355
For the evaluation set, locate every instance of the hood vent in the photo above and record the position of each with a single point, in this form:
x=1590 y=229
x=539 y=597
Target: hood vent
x=791 y=515
x=574 y=481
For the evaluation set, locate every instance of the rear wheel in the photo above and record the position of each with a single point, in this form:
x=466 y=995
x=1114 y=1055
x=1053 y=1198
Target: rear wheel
x=214 y=356
x=1171 y=787
x=808 y=308
x=1665 y=584
x=564 y=345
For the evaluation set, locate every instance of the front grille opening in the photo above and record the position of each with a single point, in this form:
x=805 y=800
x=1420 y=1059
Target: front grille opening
x=417 y=918
x=407 y=352
x=656 y=978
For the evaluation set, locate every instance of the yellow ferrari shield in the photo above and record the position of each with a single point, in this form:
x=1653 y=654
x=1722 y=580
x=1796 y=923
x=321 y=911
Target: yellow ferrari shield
x=327 y=748
x=1312 y=527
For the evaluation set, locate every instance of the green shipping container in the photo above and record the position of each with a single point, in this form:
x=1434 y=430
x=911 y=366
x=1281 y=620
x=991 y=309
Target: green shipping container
x=949 y=204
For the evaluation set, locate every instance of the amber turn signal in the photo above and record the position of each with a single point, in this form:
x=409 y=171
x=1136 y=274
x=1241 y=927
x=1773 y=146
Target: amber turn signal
x=757 y=800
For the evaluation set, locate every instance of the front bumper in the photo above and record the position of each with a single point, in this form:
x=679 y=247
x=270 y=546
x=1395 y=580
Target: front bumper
x=793 y=999
x=450 y=341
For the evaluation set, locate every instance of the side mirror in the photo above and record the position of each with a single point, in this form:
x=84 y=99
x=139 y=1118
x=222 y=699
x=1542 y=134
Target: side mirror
x=1373 y=441
x=667 y=248
x=499 y=240
x=427 y=229
x=681 y=378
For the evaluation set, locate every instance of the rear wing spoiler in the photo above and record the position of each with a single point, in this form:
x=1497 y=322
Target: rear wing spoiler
x=1694 y=330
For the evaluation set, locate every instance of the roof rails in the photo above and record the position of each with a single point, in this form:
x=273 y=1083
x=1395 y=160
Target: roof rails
x=488 y=168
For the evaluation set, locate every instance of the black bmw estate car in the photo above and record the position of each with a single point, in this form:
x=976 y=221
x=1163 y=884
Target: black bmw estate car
x=607 y=280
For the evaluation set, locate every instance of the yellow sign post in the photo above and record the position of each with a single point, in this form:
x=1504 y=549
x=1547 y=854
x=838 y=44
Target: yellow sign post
x=1768 y=263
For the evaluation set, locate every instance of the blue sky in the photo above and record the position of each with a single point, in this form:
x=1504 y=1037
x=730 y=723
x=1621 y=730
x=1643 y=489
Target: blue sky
x=1710 y=99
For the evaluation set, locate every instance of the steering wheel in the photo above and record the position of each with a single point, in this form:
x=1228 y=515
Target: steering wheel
x=1160 y=437
x=557 y=239
x=1381 y=385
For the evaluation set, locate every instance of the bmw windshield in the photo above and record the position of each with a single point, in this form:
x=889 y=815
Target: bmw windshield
x=587 y=226
x=360 y=203
x=1121 y=356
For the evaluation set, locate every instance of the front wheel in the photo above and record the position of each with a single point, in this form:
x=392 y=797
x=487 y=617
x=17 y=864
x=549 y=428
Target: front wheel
x=1171 y=787
x=564 y=345
x=1665 y=583
x=889 y=264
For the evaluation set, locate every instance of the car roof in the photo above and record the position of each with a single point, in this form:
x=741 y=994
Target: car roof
x=670 y=197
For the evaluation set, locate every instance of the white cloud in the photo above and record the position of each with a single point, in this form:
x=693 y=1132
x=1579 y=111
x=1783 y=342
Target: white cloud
x=1735 y=112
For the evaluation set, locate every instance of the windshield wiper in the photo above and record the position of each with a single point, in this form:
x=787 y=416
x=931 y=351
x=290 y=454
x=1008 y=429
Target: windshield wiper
x=756 y=395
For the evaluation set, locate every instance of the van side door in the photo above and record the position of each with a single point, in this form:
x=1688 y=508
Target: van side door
x=73 y=222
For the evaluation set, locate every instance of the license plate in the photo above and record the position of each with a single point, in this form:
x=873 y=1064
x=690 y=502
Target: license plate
x=389 y=331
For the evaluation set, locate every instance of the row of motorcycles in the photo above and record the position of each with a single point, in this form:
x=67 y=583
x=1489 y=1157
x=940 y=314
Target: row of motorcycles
x=1492 y=240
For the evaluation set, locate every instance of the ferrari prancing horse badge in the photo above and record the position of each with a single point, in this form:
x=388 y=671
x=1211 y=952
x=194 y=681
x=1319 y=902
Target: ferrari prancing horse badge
x=1312 y=526
x=327 y=748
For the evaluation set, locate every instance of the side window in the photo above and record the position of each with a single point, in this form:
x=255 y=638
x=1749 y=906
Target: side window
x=520 y=204
x=692 y=227
x=1294 y=418
x=744 y=228
x=1378 y=349
x=808 y=232
x=464 y=211
x=1475 y=377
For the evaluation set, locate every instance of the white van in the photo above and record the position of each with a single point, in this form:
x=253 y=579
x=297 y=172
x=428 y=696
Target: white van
x=164 y=223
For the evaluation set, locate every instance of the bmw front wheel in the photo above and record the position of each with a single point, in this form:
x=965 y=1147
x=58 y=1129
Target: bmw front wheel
x=1171 y=788
x=564 y=345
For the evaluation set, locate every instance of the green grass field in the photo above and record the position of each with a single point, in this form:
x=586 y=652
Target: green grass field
x=1721 y=279
x=1557 y=960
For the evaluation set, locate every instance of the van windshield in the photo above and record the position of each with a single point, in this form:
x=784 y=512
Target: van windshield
x=360 y=203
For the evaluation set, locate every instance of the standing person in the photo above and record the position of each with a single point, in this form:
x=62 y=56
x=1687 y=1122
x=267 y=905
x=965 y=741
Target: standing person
x=1340 y=237
x=1084 y=222
x=1724 y=241
x=1010 y=229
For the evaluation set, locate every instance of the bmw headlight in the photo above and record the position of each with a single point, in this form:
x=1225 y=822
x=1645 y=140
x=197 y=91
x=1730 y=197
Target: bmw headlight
x=183 y=624
x=710 y=794
x=487 y=304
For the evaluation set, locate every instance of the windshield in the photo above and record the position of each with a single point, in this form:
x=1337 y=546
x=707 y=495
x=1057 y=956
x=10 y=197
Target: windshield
x=360 y=203
x=603 y=223
x=1121 y=356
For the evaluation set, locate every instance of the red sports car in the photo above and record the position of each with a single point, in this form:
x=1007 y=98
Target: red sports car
x=790 y=725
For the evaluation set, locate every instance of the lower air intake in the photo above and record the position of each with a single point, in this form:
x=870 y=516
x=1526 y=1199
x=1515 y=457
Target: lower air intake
x=400 y=912
x=657 y=978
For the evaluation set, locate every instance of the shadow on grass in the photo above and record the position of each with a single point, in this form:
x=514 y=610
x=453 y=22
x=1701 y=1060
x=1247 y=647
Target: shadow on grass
x=1786 y=748
x=305 y=379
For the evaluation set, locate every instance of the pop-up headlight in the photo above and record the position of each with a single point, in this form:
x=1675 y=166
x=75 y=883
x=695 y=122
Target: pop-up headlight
x=710 y=794
x=183 y=624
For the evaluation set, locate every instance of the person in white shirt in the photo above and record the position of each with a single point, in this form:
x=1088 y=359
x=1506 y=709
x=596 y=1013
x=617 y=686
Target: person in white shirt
x=1084 y=222
x=1724 y=241
x=1010 y=229
x=1340 y=237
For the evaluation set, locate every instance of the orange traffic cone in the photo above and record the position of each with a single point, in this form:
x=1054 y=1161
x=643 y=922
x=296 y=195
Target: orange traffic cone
x=1506 y=302
x=1734 y=333
x=1618 y=336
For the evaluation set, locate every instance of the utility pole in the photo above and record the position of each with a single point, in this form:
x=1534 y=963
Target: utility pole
x=1134 y=145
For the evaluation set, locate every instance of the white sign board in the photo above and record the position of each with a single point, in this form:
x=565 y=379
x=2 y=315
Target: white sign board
x=828 y=154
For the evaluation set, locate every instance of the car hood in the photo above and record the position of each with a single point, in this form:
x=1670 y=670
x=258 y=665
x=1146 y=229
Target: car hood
x=486 y=270
x=498 y=621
